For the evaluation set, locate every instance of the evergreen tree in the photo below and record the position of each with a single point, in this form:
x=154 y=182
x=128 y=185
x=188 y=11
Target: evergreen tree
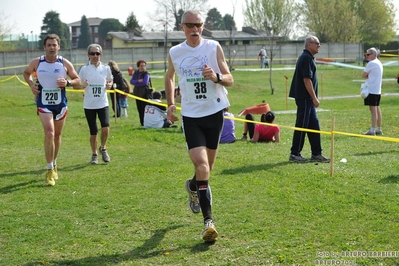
x=228 y=23
x=107 y=25
x=214 y=20
x=53 y=25
x=85 y=38
x=131 y=23
x=178 y=19
x=67 y=36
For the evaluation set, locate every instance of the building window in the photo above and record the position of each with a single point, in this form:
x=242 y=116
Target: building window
x=77 y=31
x=161 y=44
x=245 y=42
x=95 y=29
x=96 y=39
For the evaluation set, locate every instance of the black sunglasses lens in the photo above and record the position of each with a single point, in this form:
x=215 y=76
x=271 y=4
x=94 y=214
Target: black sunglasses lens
x=191 y=25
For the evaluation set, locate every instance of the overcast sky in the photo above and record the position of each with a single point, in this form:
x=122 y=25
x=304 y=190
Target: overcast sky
x=27 y=15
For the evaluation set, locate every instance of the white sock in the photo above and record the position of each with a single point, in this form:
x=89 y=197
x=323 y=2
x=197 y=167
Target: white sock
x=50 y=166
x=55 y=162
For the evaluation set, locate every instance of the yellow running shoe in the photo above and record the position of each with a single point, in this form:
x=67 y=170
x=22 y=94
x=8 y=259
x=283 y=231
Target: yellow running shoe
x=50 y=177
x=56 y=172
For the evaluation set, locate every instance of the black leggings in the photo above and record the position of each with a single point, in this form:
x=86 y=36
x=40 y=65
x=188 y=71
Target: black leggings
x=103 y=116
x=141 y=108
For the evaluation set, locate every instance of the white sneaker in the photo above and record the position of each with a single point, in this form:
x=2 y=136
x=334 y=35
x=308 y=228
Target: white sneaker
x=104 y=155
x=370 y=132
x=209 y=234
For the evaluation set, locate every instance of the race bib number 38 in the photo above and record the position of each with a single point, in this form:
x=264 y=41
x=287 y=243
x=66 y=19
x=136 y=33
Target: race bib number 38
x=51 y=96
x=200 y=89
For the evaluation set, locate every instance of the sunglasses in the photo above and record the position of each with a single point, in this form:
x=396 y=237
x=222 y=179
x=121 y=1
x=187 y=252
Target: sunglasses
x=94 y=53
x=191 y=25
x=368 y=54
x=317 y=43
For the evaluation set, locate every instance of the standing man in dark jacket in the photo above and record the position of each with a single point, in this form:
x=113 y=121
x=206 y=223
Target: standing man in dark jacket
x=304 y=89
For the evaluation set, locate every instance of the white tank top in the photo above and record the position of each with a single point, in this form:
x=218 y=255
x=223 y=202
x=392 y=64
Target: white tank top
x=199 y=97
x=51 y=96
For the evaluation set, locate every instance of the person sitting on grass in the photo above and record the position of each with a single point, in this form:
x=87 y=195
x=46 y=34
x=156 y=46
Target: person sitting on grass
x=228 y=135
x=260 y=132
x=155 y=115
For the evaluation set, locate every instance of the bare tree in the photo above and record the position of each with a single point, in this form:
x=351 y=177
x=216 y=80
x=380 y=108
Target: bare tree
x=5 y=29
x=276 y=18
x=279 y=15
x=172 y=9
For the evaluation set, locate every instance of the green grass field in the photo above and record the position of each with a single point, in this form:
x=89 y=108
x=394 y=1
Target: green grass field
x=133 y=210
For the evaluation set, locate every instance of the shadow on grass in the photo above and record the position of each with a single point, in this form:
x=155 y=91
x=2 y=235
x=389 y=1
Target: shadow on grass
x=392 y=179
x=165 y=130
x=253 y=168
x=42 y=171
x=146 y=251
x=14 y=187
x=374 y=153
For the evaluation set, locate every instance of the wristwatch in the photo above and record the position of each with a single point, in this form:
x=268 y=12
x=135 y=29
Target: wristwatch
x=220 y=77
x=69 y=83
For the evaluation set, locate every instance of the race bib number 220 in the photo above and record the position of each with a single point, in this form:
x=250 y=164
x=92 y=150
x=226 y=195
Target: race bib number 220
x=51 y=96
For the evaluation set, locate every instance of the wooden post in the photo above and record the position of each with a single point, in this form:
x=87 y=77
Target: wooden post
x=321 y=84
x=332 y=147
x=116 y=109
x=286 y=92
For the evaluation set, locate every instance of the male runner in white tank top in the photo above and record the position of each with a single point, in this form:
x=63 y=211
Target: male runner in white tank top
x=202 y=76
x=52 y=105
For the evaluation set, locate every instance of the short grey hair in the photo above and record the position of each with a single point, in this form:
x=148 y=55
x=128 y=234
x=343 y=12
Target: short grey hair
x=95 y=45
x=372 y=50
x=309 y=39
x=192 y=12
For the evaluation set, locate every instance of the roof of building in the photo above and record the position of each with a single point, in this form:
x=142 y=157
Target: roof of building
x=90 y=21
x=137 y=35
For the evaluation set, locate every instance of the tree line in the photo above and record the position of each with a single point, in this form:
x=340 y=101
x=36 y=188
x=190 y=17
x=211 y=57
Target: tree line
x=369 y=21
